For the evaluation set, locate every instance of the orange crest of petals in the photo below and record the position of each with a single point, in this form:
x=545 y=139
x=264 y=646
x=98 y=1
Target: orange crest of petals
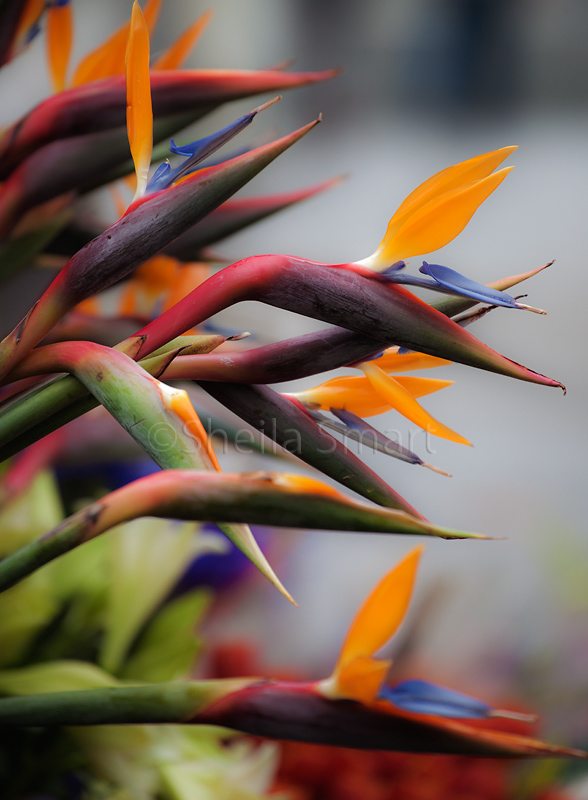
x=181 y=406
x=59 y=41
x=404 y=402
x=28 y=19
x=393 y=361
x=179 y=51
x=439 y=209
x=109 y=58
x=139 y=111
x=356 y=394
x=357 y=674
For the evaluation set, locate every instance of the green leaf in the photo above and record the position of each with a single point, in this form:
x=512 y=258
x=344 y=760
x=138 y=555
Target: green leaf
x=29 y=515
x=15 y=253
x=24 y=611
x=147 y=557
x=169 y=645
x=54 y=676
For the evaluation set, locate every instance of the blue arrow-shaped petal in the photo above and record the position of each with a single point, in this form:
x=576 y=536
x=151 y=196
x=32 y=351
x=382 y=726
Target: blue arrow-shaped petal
x=420 y=697
x=454 y=281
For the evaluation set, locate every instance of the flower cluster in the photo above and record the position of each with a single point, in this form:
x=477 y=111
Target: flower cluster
x=102 y=636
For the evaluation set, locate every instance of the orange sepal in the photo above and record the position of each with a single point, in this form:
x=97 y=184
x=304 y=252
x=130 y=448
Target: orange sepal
x=30 y=15
x=187 y=279
x=178 y=52
x=148 y=284
x=361 y=679
x=473 y=169
x=181 y=406
x=109 y=58
x=89 y=306
x=400 y=399
x=59 y=40
x=139 y=110
x=356 y=394
x=301 y=483
x=393 y=361
x=381 y=613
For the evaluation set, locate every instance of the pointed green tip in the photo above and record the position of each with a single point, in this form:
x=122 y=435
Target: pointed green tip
x=242 y=537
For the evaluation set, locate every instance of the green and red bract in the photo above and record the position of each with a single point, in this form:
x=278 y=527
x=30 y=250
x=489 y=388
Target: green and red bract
x=258 y=498
x=227 y=219
x=234 y=215
x=281 y=361
x=101 y=105
x=288 y=424
x=297 y=712
x=135 y=238
x=159 y=418
x=288 y=711
x=340 y=295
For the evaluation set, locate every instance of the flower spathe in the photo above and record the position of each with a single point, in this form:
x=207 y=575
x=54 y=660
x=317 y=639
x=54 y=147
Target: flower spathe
x=358 y=675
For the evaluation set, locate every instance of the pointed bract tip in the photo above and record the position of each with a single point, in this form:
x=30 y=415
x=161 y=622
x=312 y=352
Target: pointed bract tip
x=503 y=714
x=269 y=103
x=436 y=469
x=238 y=336
x=531 y=308
x=273 y=578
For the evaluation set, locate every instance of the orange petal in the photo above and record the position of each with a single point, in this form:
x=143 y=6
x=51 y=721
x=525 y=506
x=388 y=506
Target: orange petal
x=474 y=169
x=393 y=361
x=148 y=284
x=59 y=39
x=400 y=399
x=109 y=58
x=179 y=51
x=397 y=243
x=356 y=394
x=381 y=613
x=89 y=306
x=28 y=19
x=359 y=680
x=180 y=404
x=188 y=278
x=301 y=483
x=139 y=111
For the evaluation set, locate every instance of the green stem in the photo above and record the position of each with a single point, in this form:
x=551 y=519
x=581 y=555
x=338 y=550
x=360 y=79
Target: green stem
x=60 y=540
x=157 y=703
x=261 y=499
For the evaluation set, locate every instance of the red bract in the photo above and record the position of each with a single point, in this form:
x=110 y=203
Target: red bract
x=101 y=105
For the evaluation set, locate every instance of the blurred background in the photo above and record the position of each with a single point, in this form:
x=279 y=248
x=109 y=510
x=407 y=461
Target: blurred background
x=425 y=84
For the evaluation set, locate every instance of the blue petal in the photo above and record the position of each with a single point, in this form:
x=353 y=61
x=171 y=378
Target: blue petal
x=159 y=179
x=414 y=280
x=395 y=267
x=202 y=148
x=459 y=284
x=420 y=697
x=373 y=358
x=32 y=32
x=195 y=153
x=185 y=150
x=372 y=437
